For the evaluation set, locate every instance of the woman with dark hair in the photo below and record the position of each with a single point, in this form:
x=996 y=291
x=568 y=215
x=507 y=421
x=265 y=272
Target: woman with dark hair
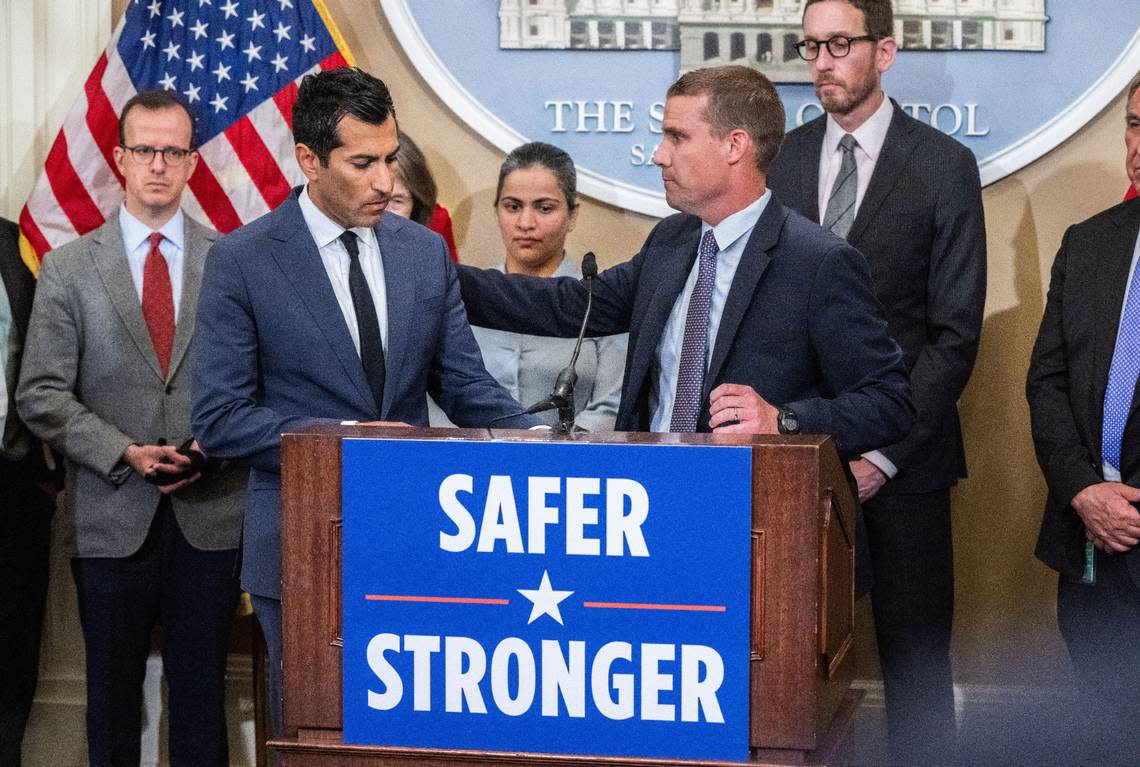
x=536 y=204
x=414 y=194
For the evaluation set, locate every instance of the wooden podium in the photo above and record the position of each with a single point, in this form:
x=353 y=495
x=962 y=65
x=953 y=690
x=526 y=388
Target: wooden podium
x=802 y=598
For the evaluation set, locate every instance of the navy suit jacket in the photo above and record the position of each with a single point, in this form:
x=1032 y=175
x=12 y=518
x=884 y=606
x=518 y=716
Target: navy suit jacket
x=922 y=229
x=273 y=353
x=1068 y=377
x=801 y=325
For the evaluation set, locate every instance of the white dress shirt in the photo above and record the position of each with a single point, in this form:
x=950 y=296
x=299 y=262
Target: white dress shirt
x=869 y=139
x=731 y=236
x=326 y=234
x=136 y=243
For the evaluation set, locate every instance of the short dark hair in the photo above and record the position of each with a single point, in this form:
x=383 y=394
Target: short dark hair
x=878 y=15
x=323 y=100
x=548 y=156
x=739 y=98
x=413 y=170
x=155 y=101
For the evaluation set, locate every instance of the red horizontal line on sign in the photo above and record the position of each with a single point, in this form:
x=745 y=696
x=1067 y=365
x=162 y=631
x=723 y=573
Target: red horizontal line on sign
x=444 y=600
x=638 y=606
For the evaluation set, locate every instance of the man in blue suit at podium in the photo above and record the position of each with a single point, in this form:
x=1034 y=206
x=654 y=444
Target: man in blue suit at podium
x=328 y=310
x=743 y=316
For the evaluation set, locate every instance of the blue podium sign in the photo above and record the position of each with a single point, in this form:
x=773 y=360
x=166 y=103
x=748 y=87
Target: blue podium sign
x=547 y=597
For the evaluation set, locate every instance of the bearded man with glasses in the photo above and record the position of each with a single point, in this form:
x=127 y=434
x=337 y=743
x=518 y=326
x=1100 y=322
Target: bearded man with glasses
x=153 y=525
x=909 y=198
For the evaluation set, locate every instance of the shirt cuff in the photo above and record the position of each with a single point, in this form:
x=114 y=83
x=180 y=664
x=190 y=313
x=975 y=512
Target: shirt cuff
x=882 y=463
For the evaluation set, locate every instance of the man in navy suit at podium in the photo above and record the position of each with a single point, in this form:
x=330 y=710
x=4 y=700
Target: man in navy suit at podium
x=743 y=316
x=328 y=310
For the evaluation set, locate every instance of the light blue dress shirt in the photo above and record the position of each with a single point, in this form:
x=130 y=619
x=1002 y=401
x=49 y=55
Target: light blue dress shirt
x=731 y=237
x=136 y=242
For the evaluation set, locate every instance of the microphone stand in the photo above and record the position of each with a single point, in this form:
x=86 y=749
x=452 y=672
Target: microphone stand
x=562 y=398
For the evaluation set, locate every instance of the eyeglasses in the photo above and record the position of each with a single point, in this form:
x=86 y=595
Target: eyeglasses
x=837 y=47
x=171 y=155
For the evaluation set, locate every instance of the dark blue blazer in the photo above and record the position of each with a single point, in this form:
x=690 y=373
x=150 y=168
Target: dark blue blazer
x=272 y=353
x=801 y=325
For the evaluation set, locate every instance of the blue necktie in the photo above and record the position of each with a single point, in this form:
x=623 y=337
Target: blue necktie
x=694 y=347
x=1122 y=375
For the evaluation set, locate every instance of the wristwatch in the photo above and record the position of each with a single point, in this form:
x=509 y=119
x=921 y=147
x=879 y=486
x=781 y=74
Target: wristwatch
x=787 y=422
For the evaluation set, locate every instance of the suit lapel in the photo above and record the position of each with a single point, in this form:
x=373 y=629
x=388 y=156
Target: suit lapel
x=110 y=258
x=674 y=264
x=301 y=263
x=400 y=288
x=897 y=148
x=808 y=188
x=198 y=240
x=751 y=267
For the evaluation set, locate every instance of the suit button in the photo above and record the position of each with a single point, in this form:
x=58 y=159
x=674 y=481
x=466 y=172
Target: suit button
x=169 y=389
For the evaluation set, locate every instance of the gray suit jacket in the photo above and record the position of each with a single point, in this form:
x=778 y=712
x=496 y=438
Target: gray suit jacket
x=91 y=385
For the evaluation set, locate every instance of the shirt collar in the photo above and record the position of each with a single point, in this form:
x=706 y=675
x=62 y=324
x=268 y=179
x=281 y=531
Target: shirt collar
x=324 y=230
x=135 y=232
x=870 y=135
x=735 y=226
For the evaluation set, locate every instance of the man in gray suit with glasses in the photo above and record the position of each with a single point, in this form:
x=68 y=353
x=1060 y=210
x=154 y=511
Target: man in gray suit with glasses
x=155 y=527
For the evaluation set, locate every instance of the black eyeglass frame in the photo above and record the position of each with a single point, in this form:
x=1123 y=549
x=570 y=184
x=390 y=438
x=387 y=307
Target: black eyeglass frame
x=144 y=154
x=802 y=45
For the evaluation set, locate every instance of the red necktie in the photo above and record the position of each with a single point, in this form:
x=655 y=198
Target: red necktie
x=158 y=302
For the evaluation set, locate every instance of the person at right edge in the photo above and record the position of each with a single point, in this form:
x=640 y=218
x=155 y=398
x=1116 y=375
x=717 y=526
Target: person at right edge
x=1083 y=407
x=909 y=198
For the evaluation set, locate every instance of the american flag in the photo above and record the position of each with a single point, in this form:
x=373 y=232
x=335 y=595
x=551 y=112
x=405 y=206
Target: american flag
x=237 y=64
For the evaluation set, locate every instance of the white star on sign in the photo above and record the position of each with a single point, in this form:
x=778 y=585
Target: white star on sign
x=250 y=82
x=226 y=40
x=230 y=9
x=219 y=102
x=279 y=63
x=282 y=31
x=544 y=600
x=309 y=43
x=253 y=51
x=192 y=93
x=199 y=29
x=256 y=20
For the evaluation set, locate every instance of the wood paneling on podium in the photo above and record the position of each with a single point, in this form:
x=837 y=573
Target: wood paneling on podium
x=803 y=526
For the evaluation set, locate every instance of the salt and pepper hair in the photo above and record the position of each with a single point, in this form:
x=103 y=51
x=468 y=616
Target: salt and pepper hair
x=547 y=156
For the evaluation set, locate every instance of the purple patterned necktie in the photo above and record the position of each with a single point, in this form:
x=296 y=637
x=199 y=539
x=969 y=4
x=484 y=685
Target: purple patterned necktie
x=1122 y=375
x=694 y=348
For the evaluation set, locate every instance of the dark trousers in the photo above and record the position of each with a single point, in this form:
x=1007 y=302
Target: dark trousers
x=1101 y=627
x=912 y=556
x=268 y=612
x=25 y=533
x=192 y=594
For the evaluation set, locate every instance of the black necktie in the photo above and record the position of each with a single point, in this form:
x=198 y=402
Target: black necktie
x=371 y=347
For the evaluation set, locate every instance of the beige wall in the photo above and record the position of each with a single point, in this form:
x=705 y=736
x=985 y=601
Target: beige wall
x=1005 y=631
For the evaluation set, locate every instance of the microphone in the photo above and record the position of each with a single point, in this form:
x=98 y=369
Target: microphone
x=562 y=398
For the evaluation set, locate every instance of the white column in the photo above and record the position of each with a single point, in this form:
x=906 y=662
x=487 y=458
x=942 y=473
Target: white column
x=46 y=52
